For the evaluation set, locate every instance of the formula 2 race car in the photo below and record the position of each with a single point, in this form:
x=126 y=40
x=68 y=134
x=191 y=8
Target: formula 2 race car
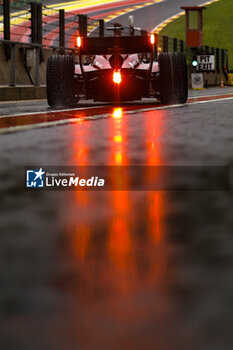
x=117 y=72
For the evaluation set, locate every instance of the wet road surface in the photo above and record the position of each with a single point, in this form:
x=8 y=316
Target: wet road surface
x=34 y=106
x=124 y=269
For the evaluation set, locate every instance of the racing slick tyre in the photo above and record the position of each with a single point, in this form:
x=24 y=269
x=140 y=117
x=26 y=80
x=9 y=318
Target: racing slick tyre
x=173 y=78
x=60 y=81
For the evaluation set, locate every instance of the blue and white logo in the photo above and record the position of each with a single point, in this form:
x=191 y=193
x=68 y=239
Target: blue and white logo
x=35 y=178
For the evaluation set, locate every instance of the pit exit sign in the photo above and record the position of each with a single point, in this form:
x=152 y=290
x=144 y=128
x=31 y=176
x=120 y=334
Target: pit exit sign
x=205 y=63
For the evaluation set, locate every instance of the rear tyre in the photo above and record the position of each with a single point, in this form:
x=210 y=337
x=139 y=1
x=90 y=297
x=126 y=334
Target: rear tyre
x=60 y=81
x=173 y=78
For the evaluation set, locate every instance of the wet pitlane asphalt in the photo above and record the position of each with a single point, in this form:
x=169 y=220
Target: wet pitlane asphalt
x=123 y=269
x=36 y=106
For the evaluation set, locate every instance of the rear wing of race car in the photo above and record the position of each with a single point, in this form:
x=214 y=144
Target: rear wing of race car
x=115 y=44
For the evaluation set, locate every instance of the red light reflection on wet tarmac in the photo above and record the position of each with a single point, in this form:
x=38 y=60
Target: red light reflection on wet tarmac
x=121 y=224
x=117 y=239
x=81 y=237
x=154 y=129
x=120 y=239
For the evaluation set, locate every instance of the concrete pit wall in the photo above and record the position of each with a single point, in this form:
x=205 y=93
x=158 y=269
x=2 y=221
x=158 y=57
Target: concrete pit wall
x=24 y=56
x=25 y=62
x=24 y=80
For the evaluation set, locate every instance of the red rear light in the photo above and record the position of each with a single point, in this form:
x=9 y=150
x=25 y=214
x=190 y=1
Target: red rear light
x=79 y=41
x=152 y=39
x=116 y=77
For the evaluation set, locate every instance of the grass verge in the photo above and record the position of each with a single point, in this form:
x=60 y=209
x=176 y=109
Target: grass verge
x=217 y=27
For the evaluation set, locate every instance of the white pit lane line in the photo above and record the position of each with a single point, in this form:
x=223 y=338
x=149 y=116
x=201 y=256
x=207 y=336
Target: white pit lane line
x=14 y=129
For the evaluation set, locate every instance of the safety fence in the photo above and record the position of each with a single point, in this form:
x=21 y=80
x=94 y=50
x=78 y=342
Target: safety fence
x=16 y=5
x=34 y=22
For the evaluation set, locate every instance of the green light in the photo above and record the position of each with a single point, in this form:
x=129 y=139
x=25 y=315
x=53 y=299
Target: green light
x=194 y=62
